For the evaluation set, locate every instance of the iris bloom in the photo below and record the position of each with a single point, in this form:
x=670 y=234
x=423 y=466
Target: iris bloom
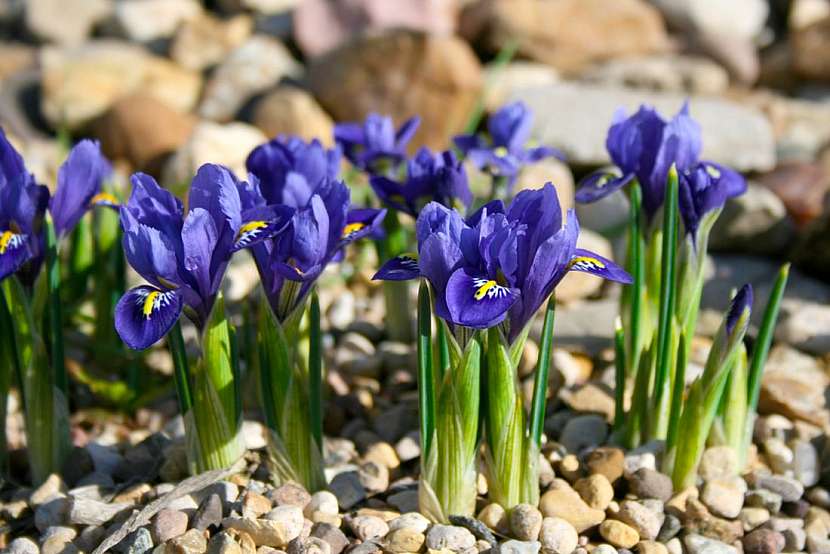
x=322 y=222
x=504 y=149
x=374 y=145
x=79 y=186
x=22 y=208
x=184 y=256
x=437 y=177
x=501 y=264
x=644 y=146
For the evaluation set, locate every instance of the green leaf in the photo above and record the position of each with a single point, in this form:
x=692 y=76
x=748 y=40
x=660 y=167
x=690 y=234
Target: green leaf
x=765 y=334
x=315 y=371
x=540 y=384
x=426 y=381
x=619 y=375
x=666 y=324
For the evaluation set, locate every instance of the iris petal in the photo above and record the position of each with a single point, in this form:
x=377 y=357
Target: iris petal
x=477 y=301
x=588 y=262
x=79 y=180
x=261 y=223
x=600 y=184
x=14 y=252
x=145 y=314
x=399 y=268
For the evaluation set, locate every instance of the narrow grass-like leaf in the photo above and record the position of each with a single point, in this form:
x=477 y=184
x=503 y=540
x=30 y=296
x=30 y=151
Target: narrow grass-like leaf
x=634 y=295
x=55 y=307
x=666 y=325
x=9 y=370
x=619 y=375
x=315 y=370
x=540 y=383
x=426 y=382
x=676 y=406
x=181 y=368
x=765 y=334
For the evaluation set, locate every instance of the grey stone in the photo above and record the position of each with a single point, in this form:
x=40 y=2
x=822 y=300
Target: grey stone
x=668 y=72
x=648 y=483
x=519 y=547
x=168 y=524
x=208 y=514
x=137 y=542
x=449 y=537
x=697 y=544
x=755 y=222
x=23 y=545
x=336 y=539
x=348 y=489
x=788 y=488
x=575 y=118
x=644 y=520
x=583 y=431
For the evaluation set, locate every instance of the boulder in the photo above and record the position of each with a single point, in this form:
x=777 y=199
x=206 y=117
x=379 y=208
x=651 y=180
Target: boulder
x=293 y=111
x=401 y=73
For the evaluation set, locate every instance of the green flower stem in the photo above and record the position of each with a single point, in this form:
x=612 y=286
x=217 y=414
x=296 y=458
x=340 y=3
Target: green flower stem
x=426 y=381
x=540 y=383
x=9 y=370
x=396 y=293
x=296 y=454
x=619 y=376
x=634 y=296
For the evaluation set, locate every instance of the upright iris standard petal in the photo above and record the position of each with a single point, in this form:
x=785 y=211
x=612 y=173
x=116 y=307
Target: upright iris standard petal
x=145 y=314
x=374 y=145
x=79 y=185
x=362 y=222
x=477 y=301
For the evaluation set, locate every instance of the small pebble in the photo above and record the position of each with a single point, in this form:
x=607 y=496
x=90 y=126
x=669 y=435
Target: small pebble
x=718 y=462
x=648 y=483
x=670 y=528
x=322 y=501
x=449 y=537
x=595 y=490
x=787 y=488
x=404 y=540
x=697 y=544
x=763 y=541
x=23 y=545
x=495 y=517
x=208 y=514
x=192 y=542
x=411 y=520
x=724 y=497
x=607 y=461
x=367 y=527
x=519 y=547
x=336 y=539
x=557 y=536
x=651 y=547
x=618 y=533
x=751 y=518
x=525 y=522
x=645 y=521
x=762 y=498
x=168 y=524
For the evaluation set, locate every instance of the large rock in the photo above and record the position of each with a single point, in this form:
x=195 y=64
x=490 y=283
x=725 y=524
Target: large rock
x=567 y=34
x=744 y=19
x=79 y=84
x=576 y=117
x=669 y=72
x=813 y=249
x=293 y=111
x=401 y=73
x=142 y=130
x=793 y=385
x=67 y=22
x=15 y=56
x=227 y=144
x=255 y=66
x=504 y=80
x=322 y=25
x=145 y=20
x=810 y=48
x=205 y=41
x=754 y=223
x=801 y=186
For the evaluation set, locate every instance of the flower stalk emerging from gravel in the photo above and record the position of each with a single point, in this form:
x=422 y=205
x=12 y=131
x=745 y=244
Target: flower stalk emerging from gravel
x=300 y=177
x=489 y=274
x=183 y=256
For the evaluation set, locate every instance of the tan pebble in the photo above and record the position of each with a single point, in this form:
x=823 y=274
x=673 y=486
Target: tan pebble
x=651 y=547
x=495 y=517
x=677 y=503
x=382 y=453
x=567 y=504
x=595 y=490
x=525 y=522
x=569 y=468
x=618 y=533
x=404 y=540
x=254 y=504
x=192 y=542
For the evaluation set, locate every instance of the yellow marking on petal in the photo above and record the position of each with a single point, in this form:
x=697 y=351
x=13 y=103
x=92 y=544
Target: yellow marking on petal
x=352 y=228
x=500 y=151
x=713 y=172
x=103 y=198
x=587 y=262
x=149 y=303
x=482 y=289
x=251 y=226
x=5 y=240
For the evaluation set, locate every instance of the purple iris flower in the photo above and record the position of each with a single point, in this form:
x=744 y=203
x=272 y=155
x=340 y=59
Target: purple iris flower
x=184 y=256
x=429 y=177
x=22 y=207
x=322 y=224
x=504 y=150
x=500 y=265
x=374 y=145
x=742 y=302
x=644 y=146
x=706 y=188
x=79 y=186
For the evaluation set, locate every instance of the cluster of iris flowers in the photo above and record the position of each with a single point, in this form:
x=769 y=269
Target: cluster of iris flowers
x=487 y=267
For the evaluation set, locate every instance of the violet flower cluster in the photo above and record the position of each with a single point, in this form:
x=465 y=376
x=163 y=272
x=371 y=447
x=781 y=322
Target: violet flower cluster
x=644 y=146
x=500 y=264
